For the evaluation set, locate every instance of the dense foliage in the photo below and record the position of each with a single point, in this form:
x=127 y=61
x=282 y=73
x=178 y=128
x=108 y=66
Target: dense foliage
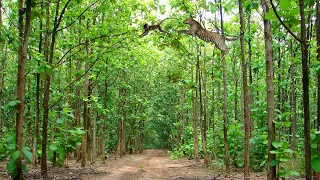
x=121 y=93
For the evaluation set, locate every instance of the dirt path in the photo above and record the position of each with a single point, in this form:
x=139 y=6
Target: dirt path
x=153 y=164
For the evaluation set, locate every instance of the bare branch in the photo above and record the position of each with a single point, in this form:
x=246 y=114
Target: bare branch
x=61 y=16
x=282 y=23
x=10 y=20
x=93 y=39
x=51 y=106
x=77 y=17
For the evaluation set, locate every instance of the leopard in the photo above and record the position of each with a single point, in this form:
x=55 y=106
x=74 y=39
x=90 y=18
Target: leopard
x=208 y=36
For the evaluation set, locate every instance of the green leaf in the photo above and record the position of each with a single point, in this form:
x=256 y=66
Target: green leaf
x=288 y=151
x=270 y=15
x=213 y=8
x=277 y=144
x=294 y=12
x=284 y=159
x=60 y=121
x=14 y=103
x=27 y=154
x=275 y=152
x=274 y=162
x=12 y=165
x=24 y=168
x=16 y=154
x=315 y=164
x=53 y=147
x=284 y=4
x=293 y=173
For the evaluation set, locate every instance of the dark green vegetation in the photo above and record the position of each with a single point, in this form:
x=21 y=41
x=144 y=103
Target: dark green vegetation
x=76 y=80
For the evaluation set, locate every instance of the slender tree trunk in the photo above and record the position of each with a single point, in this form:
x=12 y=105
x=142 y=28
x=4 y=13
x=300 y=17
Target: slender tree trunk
x=213 y=107
x=250 y=90
x=206 y=158
x=318 y=74
x=294 y=121
x=270 y=90
x=195 y=120
x=2 y=70
x=36 y=121
x=85 y=119
x=236 y=82
x=1 y=78
x=45 y=98
x=225 y=107
x=24 y=29
x=105 y=101
x=305 y=83
x=78 y=100
x=245 y=98
x=181 y=128
x=202 y=116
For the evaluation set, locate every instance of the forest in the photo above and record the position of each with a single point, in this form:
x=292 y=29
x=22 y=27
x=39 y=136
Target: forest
x=223 y=86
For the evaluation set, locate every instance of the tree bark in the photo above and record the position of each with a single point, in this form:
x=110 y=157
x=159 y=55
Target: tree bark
x=270 y=89
x=202 y=115
x=1 y=78
x=36 y=121
x=85 y=116
x=213 y=107
x=45 y=98
x=246 y=112
x=24 y=29
x=195 y=120
x=305 y=84
x=225 y=118
x=105 y=101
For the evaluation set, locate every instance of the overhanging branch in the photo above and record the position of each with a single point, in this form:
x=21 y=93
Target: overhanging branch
x=282 y=23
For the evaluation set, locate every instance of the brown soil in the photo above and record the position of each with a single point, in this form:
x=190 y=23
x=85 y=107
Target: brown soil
x=153 y=164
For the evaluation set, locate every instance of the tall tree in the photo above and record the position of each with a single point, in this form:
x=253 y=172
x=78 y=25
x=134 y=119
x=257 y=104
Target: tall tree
x=49 y=59
x=246 y=112
x=318 y=73
x=305 y=84
x=270 y=89
x=36 y=120
x=2 y=76
x=225 y=106
x=24 y=29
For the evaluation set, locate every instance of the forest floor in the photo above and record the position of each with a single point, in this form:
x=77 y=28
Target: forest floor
x=152 y=164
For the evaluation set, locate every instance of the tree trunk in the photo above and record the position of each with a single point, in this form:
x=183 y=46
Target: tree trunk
x=195 y=119
x=1 y=77
x=105 y=101
x=225 y=118
x=213 y=107
x=202 y=115
x=206 y=158
x=85 y=118
x=270 y=90
x=246 y=96
x=318 y=73
x=2 y=70
x=78 y=101
x=305 y=83
x=45 y=98
x=24 y=29
x=250 y=90
x=36 y=121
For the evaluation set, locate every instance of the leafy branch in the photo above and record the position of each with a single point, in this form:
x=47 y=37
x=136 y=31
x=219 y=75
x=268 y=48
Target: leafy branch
x=282 y=23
